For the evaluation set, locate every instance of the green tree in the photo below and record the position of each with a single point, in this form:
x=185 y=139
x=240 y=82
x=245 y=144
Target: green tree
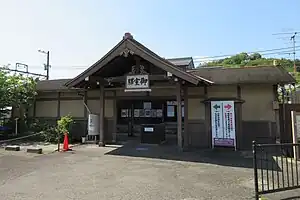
x=256 y=59
x=255 y=56
x=16 y=91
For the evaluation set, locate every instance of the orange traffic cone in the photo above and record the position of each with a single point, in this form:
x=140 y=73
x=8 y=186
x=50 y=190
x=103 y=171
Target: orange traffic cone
x=66 y=143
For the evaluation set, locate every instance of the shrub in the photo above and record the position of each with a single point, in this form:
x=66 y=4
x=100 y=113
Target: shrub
x=49 y=132
x=64 y=125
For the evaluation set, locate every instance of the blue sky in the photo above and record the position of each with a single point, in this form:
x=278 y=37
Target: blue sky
x=78 y=33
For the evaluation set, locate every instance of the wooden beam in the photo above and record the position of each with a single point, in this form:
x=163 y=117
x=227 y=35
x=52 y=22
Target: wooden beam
x=94 y=79
x=239 y=92
x=179 y=116
x=122 y=79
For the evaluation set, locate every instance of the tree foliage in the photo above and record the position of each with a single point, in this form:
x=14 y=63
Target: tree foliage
x=64 y=124
x=16 y=91
x=256 y=59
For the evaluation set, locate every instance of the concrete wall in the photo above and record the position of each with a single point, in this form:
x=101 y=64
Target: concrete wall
x=225 y=91
x=258 y=103
x=163 y=92
x=196 y=109
x=46 y=108
x=75 y=108
x=94 y=106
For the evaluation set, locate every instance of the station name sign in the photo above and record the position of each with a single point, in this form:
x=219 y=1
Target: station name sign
x=137 y=83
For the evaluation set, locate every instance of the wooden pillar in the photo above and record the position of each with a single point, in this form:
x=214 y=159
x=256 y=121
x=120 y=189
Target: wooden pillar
x=276 y=111
x=58 y=105
x=207 y=118
x=179 y=116
x=187 y=139
x=115 y=114
x=85 y=130
x=101 y=117
x=85 y=97
x=239 y=120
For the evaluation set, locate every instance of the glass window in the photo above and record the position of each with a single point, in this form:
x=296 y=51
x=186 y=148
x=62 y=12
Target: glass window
x=171 y=111
x=147 y=105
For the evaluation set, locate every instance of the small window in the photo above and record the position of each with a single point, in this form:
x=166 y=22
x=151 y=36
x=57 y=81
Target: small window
x=171 y=111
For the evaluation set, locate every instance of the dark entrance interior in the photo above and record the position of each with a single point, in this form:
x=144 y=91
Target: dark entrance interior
x=131 y=114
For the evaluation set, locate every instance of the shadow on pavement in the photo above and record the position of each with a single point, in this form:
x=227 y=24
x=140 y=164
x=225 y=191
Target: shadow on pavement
x=290 y=198
x=225 y=157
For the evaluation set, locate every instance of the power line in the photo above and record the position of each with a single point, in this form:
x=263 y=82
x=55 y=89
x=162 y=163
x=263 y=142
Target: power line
x=294 y=43
x=293 y=39
x=22 y=72
x=287 y=51
x=61 y=68
x=47 y=66
x=286 y=33
x=228 y=55
x=291 y=52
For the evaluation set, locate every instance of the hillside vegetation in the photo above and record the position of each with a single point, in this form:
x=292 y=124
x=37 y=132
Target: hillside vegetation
x=256 y=59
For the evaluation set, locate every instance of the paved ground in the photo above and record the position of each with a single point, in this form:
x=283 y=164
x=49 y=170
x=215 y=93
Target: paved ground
x=126 y=173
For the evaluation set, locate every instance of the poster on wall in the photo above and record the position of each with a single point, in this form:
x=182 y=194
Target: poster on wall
x=124 y=113
x=159 y=113
x=136 y=113
x=223 y=123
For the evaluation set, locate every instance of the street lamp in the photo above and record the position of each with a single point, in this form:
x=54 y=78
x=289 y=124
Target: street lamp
x=47 y=66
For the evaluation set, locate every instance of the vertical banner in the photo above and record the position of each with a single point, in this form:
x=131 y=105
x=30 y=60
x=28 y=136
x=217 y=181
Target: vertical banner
x=216 y=120
x=223 y=123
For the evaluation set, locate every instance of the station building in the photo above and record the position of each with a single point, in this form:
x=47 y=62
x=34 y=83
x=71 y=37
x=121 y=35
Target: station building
x=132 y=87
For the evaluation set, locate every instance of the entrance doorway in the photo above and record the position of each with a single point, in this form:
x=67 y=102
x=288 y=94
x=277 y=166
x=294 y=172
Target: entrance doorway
x=133 y=113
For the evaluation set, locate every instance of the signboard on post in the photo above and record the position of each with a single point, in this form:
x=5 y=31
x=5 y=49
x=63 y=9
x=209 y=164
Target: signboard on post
x=137 y=83
x=295 y=116
x=223 y=123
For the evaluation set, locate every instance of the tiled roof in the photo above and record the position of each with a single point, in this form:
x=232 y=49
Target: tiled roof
x=218 y=75
x=49 y=85
x=181 y=61
x=264 y=74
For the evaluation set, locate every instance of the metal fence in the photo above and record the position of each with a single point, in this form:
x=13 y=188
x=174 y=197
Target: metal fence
x=275 y=167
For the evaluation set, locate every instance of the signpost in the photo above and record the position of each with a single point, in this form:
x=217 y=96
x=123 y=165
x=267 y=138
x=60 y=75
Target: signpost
x=223 y=123
x=137 y=83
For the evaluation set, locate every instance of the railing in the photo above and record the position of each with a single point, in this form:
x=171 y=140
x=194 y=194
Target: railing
x=275 y=168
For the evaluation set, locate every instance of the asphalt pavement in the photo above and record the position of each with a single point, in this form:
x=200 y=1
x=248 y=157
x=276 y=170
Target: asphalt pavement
x=111 y=173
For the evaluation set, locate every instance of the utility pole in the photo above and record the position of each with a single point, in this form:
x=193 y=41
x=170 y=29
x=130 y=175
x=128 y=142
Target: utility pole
x=294 y=50
x=47 y=66
x=293 y=39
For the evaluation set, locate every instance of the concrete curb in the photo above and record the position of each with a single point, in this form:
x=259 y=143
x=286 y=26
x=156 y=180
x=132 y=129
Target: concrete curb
x=12 y=148
x=34 y=150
